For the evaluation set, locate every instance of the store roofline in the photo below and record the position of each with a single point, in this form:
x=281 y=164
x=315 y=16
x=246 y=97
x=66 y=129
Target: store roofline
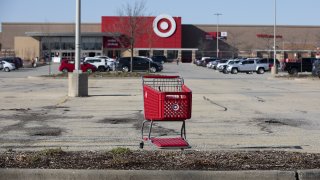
x=72 y=34
x=253 y=25
x=172 y=49
x=207 y=25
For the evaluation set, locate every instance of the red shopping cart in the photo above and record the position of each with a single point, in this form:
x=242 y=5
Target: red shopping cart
x=166 y=98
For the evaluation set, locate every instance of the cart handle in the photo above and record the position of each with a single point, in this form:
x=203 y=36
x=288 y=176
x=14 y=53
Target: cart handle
x=160 y=76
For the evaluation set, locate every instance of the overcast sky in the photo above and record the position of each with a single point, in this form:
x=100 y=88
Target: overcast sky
x=241 y=12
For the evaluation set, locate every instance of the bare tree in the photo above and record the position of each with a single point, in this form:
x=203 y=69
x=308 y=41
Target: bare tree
x=131 y=24
x=234 y=42
x=203 y=46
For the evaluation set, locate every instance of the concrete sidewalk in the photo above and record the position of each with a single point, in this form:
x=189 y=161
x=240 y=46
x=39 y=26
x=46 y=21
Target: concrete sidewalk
x=65 y=174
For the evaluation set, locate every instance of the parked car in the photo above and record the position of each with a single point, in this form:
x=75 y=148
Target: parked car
x=18 y=63
x=1 y=65
x=248 y=66
x=316 y=68
x=159 y=59
x=7 y=66
x=111 y=62
x=68 y=66
x=206 y=61
x=139 y=64
x=100 y=63
x=221 y=64
x=302 y=65
x=269 y=61
x=211 y=62
x=223 y=68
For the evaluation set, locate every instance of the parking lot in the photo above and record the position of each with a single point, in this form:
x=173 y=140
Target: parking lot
x=229 y=112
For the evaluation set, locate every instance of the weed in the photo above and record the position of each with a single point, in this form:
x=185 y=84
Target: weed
x=52 y=152
x=120 y=151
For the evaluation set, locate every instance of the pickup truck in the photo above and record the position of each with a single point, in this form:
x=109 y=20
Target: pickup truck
x=248 y=66
x=302 y=65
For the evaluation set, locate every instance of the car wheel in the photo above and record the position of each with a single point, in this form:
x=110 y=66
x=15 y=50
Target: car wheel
x=89 y=71
x=234 y=71
x=65 y=70
x=101 y=69
x=6 y=69
x=125 y=69
x=153 y=69
x=294 y=71
x=260 y=71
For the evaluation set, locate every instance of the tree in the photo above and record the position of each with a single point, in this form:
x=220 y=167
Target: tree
x=203 y=45
x=131 y=24
x=234 y=42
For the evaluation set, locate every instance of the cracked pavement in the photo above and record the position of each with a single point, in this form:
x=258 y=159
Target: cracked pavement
x=229 y=112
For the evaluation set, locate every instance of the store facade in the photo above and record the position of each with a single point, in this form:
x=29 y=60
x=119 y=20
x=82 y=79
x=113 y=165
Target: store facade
x=159 y=35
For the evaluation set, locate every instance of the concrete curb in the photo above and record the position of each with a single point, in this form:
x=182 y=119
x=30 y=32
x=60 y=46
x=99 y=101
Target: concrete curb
x=309 y=174
x=40 y=174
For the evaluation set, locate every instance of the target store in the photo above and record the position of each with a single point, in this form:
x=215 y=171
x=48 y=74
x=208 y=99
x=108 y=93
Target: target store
x=161 y=35
x=156 y=35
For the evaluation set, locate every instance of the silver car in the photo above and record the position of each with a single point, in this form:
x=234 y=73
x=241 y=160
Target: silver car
x=7 y=67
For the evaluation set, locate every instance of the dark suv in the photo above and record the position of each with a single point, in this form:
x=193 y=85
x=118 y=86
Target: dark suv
x=159 y=59
x=139 y=64
x=316 y=68
x=14 y=60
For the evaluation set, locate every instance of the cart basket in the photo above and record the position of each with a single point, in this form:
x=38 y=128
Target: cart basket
x=166 y=98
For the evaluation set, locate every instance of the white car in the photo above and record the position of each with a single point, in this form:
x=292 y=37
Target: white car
x=99 y=63
x=7 y=67
x=110 y=61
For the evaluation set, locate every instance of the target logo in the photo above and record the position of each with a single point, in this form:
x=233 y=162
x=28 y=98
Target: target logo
x=164 y=25
x=175 y=107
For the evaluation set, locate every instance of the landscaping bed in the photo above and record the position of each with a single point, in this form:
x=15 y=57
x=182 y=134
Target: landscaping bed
x=125 y=159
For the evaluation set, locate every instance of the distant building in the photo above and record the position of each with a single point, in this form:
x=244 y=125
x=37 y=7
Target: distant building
x=161 y=35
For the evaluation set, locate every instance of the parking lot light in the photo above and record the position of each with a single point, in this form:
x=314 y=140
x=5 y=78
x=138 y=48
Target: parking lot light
x=274 y=69
x=217 y=34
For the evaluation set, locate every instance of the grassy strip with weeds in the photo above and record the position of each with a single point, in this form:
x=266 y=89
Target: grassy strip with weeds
x=120 y=151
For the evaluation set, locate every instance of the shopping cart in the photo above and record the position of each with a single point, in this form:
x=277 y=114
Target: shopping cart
x=166 y=98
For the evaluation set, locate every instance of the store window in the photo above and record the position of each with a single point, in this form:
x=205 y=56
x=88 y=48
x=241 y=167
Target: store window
x=172 y=54
x=186 y=56
x=91 y=43
x=67 y=43
x=54 y=43
x=158 y=52
x=144 y=53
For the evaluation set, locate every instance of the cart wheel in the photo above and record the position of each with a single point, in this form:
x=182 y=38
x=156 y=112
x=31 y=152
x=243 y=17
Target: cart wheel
x=141 y=145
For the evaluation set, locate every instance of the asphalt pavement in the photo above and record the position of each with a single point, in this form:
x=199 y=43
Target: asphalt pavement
x=229 y=112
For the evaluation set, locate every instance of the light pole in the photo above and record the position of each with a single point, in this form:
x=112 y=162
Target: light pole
x=217 y=35
x=274 y=69
x=78 y=81
x=77 y=37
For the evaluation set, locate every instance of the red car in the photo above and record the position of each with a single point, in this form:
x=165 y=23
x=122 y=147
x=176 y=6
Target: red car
x=68 y=66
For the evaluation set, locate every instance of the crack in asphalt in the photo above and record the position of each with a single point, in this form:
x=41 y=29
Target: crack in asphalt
x=212 y=102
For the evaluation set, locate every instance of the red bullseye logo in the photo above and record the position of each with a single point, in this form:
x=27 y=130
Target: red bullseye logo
x=164 y=25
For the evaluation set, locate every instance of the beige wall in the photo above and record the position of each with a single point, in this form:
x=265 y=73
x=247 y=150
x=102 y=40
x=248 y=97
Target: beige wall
x=11 y=30
x=26 y=47
x=0 y=40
